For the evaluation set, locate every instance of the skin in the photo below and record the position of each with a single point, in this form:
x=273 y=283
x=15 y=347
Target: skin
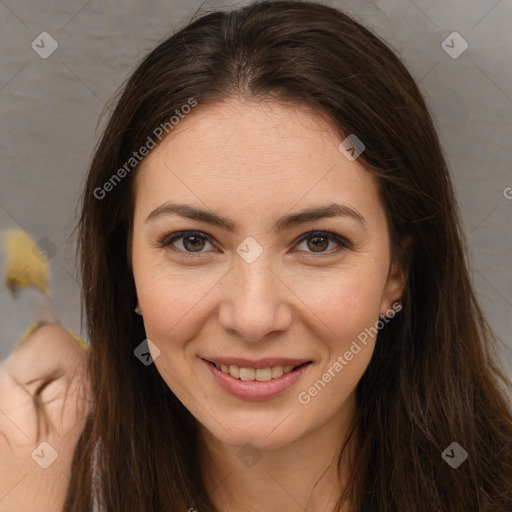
x=45 y=376
x=255 y=162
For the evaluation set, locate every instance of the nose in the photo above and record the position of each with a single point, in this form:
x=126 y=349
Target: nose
x=255 y=301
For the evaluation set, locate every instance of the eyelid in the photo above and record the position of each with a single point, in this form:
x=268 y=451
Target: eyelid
x=168 y=239
x=343 y=242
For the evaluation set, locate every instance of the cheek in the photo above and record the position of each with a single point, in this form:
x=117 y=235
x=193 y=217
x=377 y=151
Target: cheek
x=343 y=300
x=346 y=305
x=346 y=312
x=171 y=296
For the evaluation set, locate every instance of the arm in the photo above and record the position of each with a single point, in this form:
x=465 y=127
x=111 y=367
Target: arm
x=44 y=398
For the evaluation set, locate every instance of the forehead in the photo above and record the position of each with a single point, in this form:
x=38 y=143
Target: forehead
x=233 y=127
x=239 y=152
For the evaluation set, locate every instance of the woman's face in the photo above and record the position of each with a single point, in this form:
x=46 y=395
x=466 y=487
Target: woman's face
x=247 y=292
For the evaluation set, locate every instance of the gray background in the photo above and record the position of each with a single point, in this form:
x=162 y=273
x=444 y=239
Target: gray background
x=50 y=110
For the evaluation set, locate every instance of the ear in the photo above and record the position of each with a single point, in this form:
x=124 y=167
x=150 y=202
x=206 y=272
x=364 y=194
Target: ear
x=397 y=277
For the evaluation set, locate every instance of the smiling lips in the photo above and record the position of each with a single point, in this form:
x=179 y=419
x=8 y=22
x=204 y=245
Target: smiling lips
x=261 y=380
x=261 y=371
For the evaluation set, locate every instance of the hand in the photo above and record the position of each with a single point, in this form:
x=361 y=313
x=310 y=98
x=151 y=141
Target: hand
x=44 y=398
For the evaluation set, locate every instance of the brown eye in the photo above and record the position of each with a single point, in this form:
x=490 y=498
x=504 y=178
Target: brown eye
x=318 y=241
x=192 y=241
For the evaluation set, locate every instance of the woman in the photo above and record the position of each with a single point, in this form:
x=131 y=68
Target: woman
x=324 y=349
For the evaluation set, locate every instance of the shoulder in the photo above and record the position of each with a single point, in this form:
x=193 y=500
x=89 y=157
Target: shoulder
x=44 y=399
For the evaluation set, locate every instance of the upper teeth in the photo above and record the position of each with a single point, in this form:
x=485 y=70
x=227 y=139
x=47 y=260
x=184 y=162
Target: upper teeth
x=259 y=374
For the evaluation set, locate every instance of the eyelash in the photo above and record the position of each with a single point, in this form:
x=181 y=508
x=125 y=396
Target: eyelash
x=168 y=239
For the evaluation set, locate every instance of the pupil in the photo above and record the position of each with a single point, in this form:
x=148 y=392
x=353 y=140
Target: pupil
x=319 y=245
x=194 y=244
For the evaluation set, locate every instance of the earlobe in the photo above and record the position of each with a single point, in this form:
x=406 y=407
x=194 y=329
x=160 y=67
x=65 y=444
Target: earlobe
x=137 y=309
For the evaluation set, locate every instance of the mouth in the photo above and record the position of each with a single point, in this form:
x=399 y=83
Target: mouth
x=260 y=373
x=265 y=379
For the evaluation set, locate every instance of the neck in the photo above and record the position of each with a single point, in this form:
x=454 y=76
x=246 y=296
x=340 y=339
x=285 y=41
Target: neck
x=248 y=479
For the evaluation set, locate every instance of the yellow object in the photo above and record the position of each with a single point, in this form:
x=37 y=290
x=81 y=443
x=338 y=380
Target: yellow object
x=26 y=263
x=35 y=326
x=79 y=341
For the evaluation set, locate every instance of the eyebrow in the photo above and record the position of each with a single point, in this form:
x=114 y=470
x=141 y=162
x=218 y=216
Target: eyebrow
x=285 y=222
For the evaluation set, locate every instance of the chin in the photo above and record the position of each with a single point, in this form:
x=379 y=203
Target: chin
x=254 y=436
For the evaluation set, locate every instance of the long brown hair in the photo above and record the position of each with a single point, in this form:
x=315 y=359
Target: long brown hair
x=432 y=379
